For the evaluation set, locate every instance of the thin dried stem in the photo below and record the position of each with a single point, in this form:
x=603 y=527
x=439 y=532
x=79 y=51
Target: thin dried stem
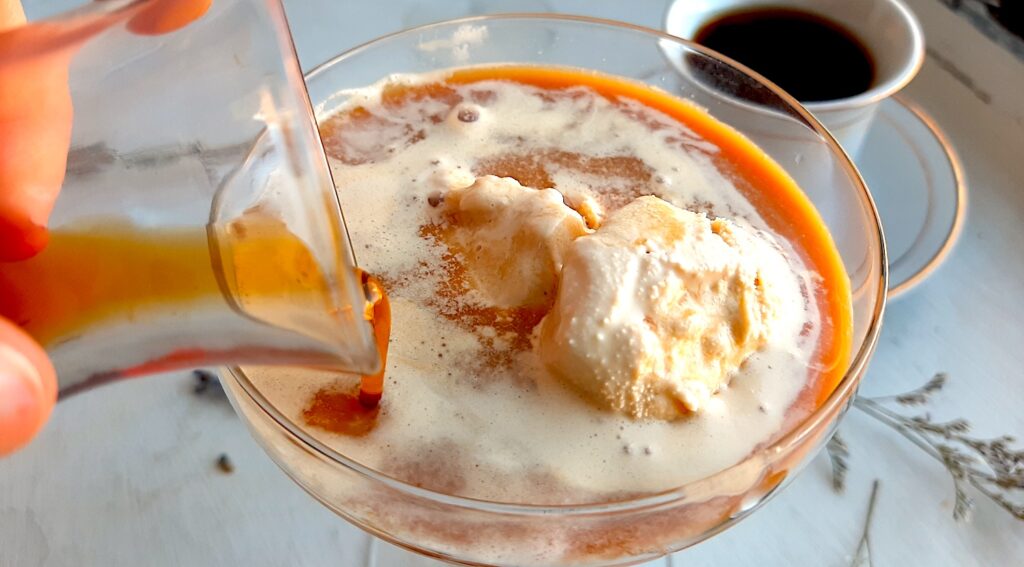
x=921 y=395
x=862 y=558
x=990 y=466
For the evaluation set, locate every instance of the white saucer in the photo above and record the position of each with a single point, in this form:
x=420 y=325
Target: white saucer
x=918 y=185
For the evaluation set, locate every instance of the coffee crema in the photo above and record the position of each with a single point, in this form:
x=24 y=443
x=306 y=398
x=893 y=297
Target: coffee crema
x=468 y=408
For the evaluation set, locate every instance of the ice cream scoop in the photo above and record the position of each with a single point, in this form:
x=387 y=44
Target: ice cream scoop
x=658 y=308
x=511 y=239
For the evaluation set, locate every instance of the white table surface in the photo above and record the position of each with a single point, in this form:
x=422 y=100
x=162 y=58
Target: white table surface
x=126 y=475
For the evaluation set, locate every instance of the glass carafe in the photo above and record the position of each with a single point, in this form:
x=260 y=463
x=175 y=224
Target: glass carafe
x=196 y=221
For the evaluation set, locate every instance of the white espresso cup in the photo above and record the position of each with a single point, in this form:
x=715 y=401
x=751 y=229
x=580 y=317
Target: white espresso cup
x=886 y=28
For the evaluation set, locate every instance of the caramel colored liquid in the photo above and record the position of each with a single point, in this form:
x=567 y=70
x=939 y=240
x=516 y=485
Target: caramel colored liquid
x=378 y=312
x=89 y=278
x=86 y=277
x=341 y=412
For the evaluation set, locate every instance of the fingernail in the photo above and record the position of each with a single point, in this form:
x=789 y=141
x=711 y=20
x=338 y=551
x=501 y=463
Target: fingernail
x=21 y=239
x=22 y=405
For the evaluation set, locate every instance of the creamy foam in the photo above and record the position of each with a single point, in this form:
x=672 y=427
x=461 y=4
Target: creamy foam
x=455 y=416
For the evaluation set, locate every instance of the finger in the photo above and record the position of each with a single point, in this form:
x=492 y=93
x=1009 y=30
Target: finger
x=35 y=122
x=11 y=14
x=35 y=118
x=28 y=388
x=165 y=16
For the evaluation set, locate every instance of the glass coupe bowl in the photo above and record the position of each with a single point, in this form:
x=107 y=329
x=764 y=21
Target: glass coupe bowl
x=476 y=532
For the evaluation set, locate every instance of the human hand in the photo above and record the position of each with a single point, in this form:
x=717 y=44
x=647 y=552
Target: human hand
x=35 y=134
x=35 y=118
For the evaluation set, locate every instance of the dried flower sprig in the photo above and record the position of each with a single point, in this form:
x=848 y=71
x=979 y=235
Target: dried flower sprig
x=838 y=455
x=919 y=396
x=991 y=466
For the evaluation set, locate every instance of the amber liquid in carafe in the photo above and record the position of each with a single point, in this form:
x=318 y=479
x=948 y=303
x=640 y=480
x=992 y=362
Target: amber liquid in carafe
x=89 y=277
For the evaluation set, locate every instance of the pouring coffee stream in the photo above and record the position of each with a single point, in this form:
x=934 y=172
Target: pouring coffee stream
x=378 y=313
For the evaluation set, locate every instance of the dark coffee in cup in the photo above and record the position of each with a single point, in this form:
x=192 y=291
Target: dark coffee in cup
x=809 y=56
x=839 y=58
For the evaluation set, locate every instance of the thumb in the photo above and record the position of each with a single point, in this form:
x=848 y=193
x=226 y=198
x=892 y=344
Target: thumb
x=28 y=387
